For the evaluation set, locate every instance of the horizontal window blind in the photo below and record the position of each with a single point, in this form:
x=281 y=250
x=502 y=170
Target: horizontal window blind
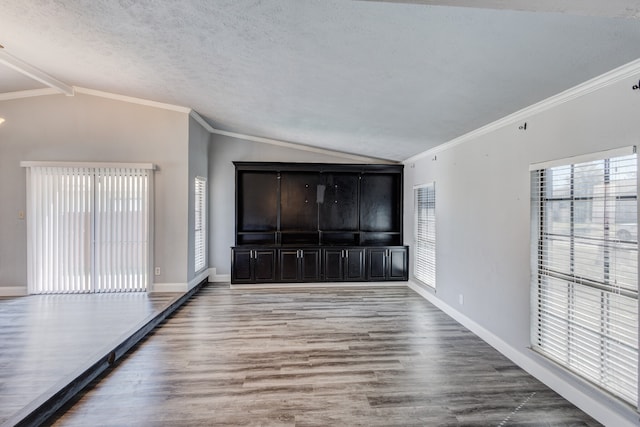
x=585 y=270
x=425 y=234
x=88 y=229
x=200 y=223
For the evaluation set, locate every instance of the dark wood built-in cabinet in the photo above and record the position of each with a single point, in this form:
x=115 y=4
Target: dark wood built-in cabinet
x=255 y=265
x=387 y=263
x=299 y=265
x=311 y=222
x=346 y=264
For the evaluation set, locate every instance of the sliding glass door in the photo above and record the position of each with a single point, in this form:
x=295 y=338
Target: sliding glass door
x=88 y=228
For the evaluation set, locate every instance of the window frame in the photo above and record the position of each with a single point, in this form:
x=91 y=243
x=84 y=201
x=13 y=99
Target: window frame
x=425 y=223
x=565 y=326
x=200 y=224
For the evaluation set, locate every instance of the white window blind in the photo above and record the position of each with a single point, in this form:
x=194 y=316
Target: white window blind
x=585 y=270
x=88 y=229
x=425 y=233
x=200 y=223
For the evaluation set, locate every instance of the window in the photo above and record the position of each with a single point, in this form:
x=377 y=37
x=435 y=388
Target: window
x=425 y=233
x=200 y=236
x=585 y=268
x=88 y=228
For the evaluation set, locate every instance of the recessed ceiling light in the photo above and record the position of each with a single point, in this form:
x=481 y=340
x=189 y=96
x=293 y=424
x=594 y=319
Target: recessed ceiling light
x=1 y=120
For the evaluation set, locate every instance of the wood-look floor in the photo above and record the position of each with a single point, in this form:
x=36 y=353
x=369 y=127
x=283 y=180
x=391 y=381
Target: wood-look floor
x=321 y=357
x=45 y=339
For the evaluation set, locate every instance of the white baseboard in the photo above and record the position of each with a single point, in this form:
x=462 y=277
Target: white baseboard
x=169 y=287
x=13 y=291
x=587 y=397
x=317 y=285
x=214 y=277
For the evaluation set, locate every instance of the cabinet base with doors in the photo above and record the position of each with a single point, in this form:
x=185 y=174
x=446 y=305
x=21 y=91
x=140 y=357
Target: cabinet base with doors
x=314 y=222
x=351 y=264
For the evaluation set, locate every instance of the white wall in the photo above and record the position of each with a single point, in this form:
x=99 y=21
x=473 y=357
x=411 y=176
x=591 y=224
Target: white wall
x=223 y=151
x=90 y=128
x=483 y=223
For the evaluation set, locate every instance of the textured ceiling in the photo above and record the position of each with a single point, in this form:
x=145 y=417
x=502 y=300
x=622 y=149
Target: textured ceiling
x=383 y=79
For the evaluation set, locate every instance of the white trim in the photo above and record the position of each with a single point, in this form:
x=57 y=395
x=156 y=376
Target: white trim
x=214 y=277
x=169 y=287
x=198 y=118
x=426 y=184
x=199 y=278
x=34 y=73
x=132 y=99
x=614 y=76
x=27 y=94
x=317 y=285
x=584 y=158
x=607 y=413
x=609 y=9
x=30 y=164
x=220 y=278
x=13 y=291
x=296 y=146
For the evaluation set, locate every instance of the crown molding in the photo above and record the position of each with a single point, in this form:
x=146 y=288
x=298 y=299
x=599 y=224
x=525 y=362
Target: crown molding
x=197 y=117
x=34 y=73
x=92 y=92
x=608 y=9
x=132 y=100
x=607 y=79
x=7 y=96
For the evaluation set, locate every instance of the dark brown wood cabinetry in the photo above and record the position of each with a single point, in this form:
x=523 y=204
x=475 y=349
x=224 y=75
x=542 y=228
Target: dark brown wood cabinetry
x=299 y=265
x=310 y=222
x=346 y=264
x=387 y=263
x=253 y=265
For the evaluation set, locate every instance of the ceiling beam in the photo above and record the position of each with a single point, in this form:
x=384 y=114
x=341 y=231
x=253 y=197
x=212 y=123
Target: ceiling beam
x=608 y=9
x=34 y=73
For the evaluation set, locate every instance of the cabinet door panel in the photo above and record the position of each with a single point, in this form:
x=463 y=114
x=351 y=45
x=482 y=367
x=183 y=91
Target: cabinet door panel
x=333 y=264
x=310 y=265
x=355 y=263
x=298 y=205
x=288 y=265
x=398 y=264
x=380 y=204
x=265 y=265
x=377 y=263
x=257 y=201
x=339 y=206
x=241 y=265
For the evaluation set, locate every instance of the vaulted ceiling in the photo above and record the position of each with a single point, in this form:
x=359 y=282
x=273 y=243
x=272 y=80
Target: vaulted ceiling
x=383 y=79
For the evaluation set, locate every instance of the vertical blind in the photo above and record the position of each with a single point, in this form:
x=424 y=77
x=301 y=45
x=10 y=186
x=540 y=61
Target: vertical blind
x=200 y=223
x=425 y=233
x=585 y=270
x=88 y=229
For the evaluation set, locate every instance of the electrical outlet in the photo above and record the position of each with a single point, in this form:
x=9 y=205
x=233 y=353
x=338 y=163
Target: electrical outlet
x=461 y=299
x=20 y=214
x=157 y=271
